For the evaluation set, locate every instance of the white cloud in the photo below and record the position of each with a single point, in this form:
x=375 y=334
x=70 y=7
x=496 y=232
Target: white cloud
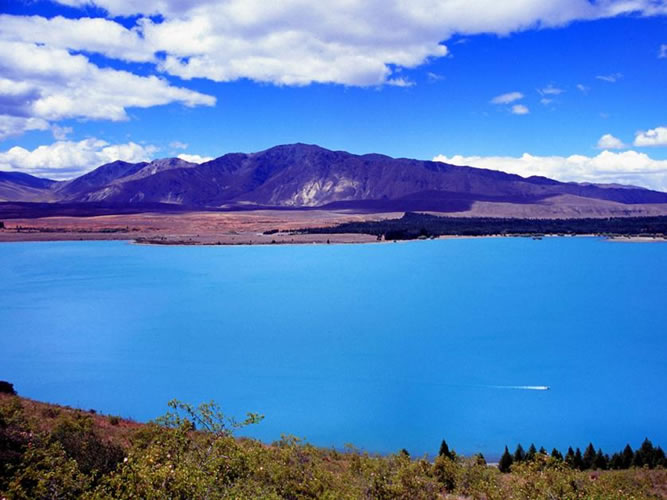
x=520 y=109
x=608 y=141
x=582 y=88
x=627 y=167
x=178 y=145
x=401 y=82
x=48 y=75
x=194 y=158
x=507 y=98
x=611 y=78
x=546 y=101
x=550 y=90
x=49 y=84
x=66 y=159
x=653 y=137
x=60 y=133
x=16 y=125
x=294 y=42
x=662 y=53
x=98 y=35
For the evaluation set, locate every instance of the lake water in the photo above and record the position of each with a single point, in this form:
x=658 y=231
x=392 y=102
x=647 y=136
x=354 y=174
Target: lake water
x=386 y=346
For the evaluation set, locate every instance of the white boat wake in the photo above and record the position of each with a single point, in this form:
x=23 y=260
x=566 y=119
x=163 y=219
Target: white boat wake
x=521 y=387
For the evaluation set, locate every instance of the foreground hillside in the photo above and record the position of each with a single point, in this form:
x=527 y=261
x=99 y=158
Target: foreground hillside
x=49 y=451
x=302 y=176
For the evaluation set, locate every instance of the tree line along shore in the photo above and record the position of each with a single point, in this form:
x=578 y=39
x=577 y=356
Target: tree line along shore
x=55 y=452
x=419 y=225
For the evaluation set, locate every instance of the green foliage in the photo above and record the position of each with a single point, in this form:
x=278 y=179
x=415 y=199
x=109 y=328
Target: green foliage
x=519 y=454
x=79 y=439
x=192 y=452
x=506 y=461
x=589 y=457
x=13 y=437
x=45 y=472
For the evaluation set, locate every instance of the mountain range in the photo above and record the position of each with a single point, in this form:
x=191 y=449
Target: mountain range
x=307 y=176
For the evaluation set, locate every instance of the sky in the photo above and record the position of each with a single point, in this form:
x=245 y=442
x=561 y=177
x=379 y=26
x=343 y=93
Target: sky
x=571 y=89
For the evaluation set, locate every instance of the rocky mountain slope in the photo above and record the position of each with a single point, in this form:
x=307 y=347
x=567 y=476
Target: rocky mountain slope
x=304 y=176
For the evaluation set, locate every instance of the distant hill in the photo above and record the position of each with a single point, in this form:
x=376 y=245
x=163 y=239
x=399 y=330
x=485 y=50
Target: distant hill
x=17 y=186
x=308 y=176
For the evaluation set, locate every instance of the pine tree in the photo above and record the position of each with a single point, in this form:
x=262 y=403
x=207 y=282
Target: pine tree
x=645 y=455
x=601 y=461
x=616 y=461
x=628 y=455
x=660 y=460
x=519 y=454
x=578 y=460
x=556 y=454
x=569 y=457
x=532 y=451
x=543 y=451
x=505 y=461
x=589 y=457
x=444 y=450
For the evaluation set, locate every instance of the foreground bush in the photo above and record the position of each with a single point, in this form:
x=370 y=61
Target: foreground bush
x=192 y=453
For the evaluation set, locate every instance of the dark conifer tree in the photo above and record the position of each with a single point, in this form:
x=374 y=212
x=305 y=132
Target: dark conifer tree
x=543 y=451
x=519 y=454
x=479 y=459
x=578 y=460
x=444 y=450
x=616 y=461
x=645 y=455
x=505 y=461
x=532 y=451
x=589 y=456
x=569 y=457
x=556 y=454
x=660 y=460
x=601 y=461
x=628 y=455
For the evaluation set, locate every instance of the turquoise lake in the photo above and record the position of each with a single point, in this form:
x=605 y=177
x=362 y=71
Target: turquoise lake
x=386 y=346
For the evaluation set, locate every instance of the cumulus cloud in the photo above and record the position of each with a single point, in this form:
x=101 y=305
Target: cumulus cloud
x=47 y=74
x=42 y=83
x=507 y=98
x=611 y=78
x=194 y=158
x=15 y=125
x=66 y=159
x=627 y=167
x=520 y=109
x=608 y=141
x=293 y=42
x=653 y=137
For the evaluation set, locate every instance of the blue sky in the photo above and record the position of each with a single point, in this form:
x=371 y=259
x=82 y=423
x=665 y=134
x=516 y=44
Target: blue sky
x=188 y=77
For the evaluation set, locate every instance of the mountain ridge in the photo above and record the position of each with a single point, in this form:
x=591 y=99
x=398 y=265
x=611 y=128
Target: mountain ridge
x=309 y=176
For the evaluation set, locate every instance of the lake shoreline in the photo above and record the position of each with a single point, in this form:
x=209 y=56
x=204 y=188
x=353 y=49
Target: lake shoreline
x=253 y=239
